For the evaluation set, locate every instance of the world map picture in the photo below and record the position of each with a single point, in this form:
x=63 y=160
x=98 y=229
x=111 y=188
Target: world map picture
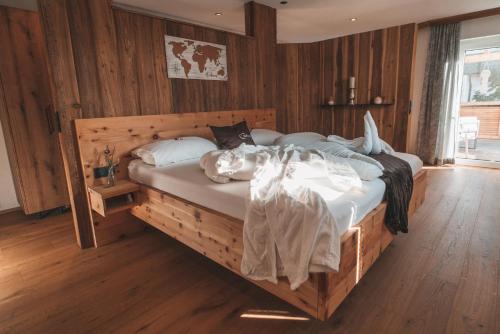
x=188 y=59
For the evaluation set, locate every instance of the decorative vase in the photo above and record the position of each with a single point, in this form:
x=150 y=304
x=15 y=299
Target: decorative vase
x=111 y=176
x=378 y=100
x=331 y=102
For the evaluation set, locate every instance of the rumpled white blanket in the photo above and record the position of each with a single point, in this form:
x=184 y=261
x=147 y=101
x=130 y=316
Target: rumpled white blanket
x=343 y=150
x=238 y=164
x=288 y=229
x=356 y=143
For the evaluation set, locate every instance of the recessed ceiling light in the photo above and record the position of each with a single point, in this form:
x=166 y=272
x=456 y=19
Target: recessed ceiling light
x=283 y=2
x=353 y=19
x=218 y=14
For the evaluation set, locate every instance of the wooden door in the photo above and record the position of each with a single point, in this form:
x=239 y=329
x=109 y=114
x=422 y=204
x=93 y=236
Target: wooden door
x=26 y=115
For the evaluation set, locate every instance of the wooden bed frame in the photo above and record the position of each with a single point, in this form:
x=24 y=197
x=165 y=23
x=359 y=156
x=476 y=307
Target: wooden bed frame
x=215 y=235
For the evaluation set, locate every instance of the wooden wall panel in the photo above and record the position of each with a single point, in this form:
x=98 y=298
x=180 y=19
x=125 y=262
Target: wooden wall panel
x=309 y=89
x=25 y=110
x=287 y=57
x=260 y=22
x=66 y=101
x=126 y=27
x=389 y=87
x=146 y=89
x=84 y=62
x=326 y=84
x=163 y=84
x=242 y=76
x=96 y=58
x=381 y=61
x=146 y=74
x=407 y=40
x=378 y=41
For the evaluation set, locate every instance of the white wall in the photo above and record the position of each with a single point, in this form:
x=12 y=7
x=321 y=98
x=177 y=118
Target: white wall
x=8 y=198
x=470 y=29
x=486 y=26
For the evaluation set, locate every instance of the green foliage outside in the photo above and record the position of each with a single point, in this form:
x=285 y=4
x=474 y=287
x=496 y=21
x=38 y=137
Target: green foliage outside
x=493 y=93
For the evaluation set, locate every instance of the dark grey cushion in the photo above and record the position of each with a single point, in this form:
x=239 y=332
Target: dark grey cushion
x=232 y=136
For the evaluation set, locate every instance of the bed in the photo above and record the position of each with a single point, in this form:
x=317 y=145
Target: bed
x=183 y=203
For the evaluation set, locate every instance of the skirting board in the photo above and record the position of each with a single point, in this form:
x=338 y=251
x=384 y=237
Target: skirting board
x=14 y=209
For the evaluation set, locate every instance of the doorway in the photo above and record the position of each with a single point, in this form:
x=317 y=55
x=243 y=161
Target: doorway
x=478 y=119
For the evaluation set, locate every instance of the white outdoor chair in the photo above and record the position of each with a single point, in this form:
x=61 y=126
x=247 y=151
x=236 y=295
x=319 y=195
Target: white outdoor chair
x=468 y=132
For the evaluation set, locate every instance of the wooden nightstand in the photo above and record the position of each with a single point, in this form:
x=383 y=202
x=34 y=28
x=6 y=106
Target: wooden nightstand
x=108 y=200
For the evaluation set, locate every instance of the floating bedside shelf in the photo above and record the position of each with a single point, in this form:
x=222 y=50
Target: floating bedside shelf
x=120 y=197
x=357 y=105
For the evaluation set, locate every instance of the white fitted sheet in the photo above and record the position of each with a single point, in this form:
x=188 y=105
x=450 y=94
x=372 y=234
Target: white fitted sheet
x=186 y=180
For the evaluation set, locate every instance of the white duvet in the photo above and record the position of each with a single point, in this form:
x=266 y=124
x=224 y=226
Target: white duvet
x=288 y=229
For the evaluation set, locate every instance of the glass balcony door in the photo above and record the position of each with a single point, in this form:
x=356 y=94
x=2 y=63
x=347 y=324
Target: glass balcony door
x=478 y=119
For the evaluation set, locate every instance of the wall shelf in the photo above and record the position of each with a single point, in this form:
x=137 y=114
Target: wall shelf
x=357 y=105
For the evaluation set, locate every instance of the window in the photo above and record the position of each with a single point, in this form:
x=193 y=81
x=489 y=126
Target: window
x=481 y=76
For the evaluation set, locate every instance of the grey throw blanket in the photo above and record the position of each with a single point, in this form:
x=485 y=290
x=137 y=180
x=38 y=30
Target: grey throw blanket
x=398 y=179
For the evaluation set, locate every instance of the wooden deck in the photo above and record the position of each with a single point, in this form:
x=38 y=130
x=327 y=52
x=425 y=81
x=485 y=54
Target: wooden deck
x=486 y=150
x=444 y=276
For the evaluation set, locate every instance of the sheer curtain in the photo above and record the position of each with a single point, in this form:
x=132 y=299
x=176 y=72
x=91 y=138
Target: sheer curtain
x=436 y=130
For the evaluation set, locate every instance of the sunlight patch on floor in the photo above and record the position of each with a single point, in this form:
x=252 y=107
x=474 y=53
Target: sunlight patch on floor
x=272 y=315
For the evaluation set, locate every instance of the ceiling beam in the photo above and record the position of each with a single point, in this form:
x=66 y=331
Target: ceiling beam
x=461 y=17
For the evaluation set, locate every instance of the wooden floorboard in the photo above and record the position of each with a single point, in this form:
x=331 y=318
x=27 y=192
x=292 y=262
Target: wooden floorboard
x=442 y=277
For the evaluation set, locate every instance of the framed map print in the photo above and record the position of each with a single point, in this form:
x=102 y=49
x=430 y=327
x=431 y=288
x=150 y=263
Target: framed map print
x=189 y=59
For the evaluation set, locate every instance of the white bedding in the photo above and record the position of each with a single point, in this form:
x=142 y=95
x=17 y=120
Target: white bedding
x=187 y=180
x=291 y=186
x=415 y=163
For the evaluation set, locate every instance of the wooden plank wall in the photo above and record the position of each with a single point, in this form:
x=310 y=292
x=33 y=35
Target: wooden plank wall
x=124 y=74
x=308 y=74
x=25 y=109
x=260 y=23
x=105 y=61
x=489 y=117
x=66 y=102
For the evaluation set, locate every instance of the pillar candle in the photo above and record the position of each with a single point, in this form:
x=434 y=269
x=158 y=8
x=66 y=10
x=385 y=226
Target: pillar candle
x=352 y=82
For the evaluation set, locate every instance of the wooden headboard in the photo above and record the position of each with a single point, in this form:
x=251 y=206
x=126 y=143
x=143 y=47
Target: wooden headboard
x=128 y=133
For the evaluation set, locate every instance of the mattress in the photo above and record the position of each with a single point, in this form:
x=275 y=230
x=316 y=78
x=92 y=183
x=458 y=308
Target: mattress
x=186 y=180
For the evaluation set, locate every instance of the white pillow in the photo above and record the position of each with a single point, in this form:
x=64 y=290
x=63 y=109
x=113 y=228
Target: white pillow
x=299 y=139
x=169 y=151
x=265 y=137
